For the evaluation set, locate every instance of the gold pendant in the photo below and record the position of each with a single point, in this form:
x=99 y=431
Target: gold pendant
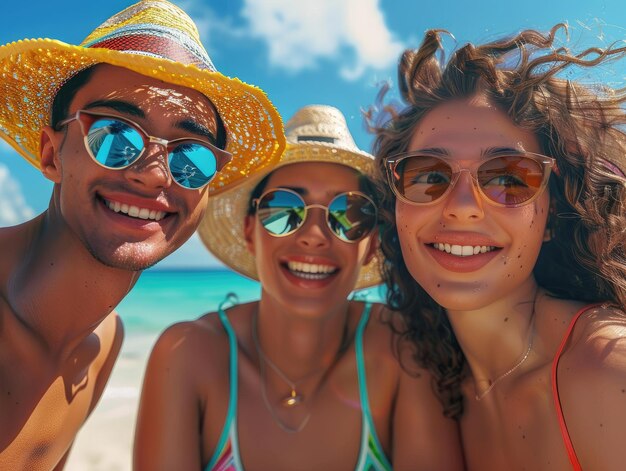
x=292 y=400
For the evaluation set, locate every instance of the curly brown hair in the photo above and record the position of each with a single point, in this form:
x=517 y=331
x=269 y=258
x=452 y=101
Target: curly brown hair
x=581 y=126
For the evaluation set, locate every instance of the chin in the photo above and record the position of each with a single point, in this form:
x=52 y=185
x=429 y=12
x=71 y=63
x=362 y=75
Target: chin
x=129 y=257
x=463 y=296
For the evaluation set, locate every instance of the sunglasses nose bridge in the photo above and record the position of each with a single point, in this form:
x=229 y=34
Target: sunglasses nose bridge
x=157 y=141
x=313 y=230
x=308 y=217
x=152 y=168
x=464 y=197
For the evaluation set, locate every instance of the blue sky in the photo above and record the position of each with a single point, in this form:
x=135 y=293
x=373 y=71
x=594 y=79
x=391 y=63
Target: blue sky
x=301 y=52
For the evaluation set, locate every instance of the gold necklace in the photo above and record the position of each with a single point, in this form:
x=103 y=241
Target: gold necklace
x=521 y=361
x=293 y=398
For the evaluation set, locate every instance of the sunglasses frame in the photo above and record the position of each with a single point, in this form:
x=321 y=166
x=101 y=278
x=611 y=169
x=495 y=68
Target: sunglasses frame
x=86 y=119
x=392 y=162
x=256 y=201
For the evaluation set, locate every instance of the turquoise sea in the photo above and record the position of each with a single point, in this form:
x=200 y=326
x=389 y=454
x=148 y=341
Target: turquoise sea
x=163 y=297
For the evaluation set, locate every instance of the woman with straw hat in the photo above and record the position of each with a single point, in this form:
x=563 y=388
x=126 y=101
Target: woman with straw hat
x=306 y=368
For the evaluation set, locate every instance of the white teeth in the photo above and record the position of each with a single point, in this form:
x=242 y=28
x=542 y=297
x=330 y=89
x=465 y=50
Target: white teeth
x=134 y=211
x=311 y=271
x=463 y=250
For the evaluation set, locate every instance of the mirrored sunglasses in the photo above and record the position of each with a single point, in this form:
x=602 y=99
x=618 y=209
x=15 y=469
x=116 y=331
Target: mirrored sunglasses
x=503 y=180
x=350 y=216
x=117 y=143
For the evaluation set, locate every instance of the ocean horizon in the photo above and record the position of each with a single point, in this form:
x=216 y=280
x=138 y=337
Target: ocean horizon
x=164 y=296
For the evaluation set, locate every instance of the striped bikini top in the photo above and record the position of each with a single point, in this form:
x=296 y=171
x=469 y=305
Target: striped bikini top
x=371 y=455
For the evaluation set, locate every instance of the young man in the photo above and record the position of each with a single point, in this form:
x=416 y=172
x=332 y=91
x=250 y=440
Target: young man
x=131 y=127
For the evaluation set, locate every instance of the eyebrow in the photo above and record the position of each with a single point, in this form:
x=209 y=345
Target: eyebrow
x=304 y=192
x=433 y=151
x=301 y=191
x=501 y=150
x=197 y=128
x=125 y=107
x=120 y=106
x=489 y=151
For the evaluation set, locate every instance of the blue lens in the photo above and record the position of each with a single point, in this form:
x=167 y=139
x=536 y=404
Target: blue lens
x=114 y=143
x=281 y=212
x=193 y=165
x=351 y=216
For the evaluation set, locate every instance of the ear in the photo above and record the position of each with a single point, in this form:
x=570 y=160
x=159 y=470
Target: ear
x=373 y=248
x=248 y=232
x=49 y=147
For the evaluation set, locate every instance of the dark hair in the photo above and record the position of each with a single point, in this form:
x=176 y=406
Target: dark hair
x=65 y=95
x=582 y=127
x=366 y=185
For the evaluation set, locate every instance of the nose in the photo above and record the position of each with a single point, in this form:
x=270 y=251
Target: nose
x=314 y=233
x=464 y=202
x=151 y=170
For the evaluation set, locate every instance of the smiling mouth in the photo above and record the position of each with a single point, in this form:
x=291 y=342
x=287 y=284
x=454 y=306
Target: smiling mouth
x=311 y=271
x=134 y=211
x=463 y=250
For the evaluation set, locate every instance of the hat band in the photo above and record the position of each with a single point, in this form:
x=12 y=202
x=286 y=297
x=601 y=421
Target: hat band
x=152 y=45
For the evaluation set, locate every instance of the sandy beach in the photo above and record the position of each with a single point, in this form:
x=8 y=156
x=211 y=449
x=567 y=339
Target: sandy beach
x=105 y=441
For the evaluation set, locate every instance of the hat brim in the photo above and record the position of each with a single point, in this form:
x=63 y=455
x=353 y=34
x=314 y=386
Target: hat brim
x=32 y=71
x=222 y=227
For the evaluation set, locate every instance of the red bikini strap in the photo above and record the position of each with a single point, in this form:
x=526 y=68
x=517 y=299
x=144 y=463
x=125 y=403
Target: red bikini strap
x=555 y=390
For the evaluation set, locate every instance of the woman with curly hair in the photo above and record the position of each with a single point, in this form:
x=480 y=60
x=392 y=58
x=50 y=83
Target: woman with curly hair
x=504 y=246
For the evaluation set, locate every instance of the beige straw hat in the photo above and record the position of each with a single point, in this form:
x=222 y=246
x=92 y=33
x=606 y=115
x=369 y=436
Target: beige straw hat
x=154 y=38
x=316 y=133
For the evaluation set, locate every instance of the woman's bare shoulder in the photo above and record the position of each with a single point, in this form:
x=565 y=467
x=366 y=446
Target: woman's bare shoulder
x=592 y=386
x=599 y=344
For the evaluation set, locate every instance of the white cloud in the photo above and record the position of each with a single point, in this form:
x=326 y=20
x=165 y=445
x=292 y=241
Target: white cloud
x=299 y=34
x=13 y=207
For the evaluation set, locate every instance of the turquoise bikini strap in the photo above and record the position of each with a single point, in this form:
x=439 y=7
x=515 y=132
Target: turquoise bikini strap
x=360 y=364
x=370 y=440
x=232 y=400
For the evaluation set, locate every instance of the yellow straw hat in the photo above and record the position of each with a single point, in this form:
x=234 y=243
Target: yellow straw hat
x=154 y=38
x=316 y=133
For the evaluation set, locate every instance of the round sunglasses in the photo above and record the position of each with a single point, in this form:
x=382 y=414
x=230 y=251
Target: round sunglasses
x=350 y=216
x=117 y=143
x=509 y=180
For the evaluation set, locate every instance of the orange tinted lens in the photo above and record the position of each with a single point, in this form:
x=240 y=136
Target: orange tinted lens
x=422 y=179
x=510 y=180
